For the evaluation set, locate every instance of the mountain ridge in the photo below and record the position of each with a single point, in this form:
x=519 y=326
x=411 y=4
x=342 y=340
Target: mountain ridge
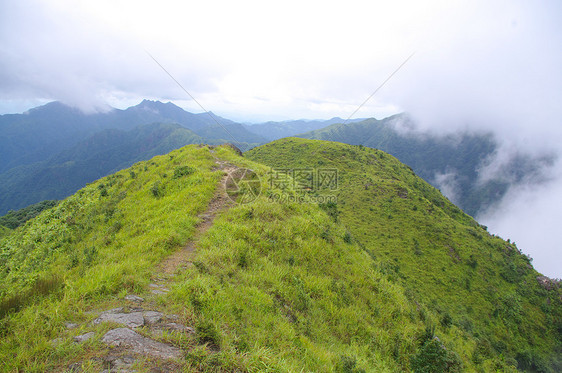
x=452 y=162
x=450 y=262
x=39 y=141
x=274 y=283
x=275 y=130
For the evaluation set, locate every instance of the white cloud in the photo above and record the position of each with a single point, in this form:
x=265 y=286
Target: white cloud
x=479 y=65
x=530 y=215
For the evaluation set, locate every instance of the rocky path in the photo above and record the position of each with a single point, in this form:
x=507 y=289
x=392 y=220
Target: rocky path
x=134 y=343
x=220 y=202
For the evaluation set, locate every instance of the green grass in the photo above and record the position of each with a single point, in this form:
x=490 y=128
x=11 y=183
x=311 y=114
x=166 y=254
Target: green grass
x=104 y=240
x=281 y=294
x=443 y=258
x=4 y=231
x=358 y=285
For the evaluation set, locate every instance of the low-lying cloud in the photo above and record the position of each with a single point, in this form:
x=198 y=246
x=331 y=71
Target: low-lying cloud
x=530 y=214
x=479 y=66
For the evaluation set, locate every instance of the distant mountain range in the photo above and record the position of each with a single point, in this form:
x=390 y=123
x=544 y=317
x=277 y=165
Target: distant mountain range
x=51 y=151
x=278 y=130
x=44 y=131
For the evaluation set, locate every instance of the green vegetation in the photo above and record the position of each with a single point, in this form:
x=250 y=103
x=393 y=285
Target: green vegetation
x=477 y=283
x=102 y=241
x=449 y=162
x=54 y=150
x=277 y=130
x=14 y=219
x=277 y=288
x=103 y=153
x=4 y=231
x=367 y=283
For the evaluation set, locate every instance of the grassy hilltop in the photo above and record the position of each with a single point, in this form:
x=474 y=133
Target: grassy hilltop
x=362 y=284
x=477 y=283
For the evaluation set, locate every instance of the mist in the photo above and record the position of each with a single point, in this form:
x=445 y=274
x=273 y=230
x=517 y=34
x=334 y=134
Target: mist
x=478 y=66
x=506 y=83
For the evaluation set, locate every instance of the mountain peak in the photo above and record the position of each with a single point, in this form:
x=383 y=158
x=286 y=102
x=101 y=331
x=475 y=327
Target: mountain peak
x=150 y=103
x=53 y=107
x=158 y=107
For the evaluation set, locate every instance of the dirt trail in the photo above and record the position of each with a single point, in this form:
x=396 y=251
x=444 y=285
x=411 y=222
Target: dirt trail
x=220 y=202
x=137 y=342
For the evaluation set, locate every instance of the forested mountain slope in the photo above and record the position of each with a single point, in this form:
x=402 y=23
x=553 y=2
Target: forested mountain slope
x=51 y=151
x=98 y=155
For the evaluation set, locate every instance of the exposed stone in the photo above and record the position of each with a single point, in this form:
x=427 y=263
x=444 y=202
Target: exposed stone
x=120 y=363
x=156 y=286
x=172 y=326
x=134 y=298
x=158 y=289
x=114 y=310
x=83 y=337
x=124 y=337
x=547 y=282
x=152 y=317
x=70 y=325
x=131 y=320
x=158 y=331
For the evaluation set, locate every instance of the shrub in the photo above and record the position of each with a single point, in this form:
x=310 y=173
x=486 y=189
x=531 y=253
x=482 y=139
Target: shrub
x=89 y=255
x=243 y=259
x=417 y=248
x=472 y=262
x=157 y=190
x=446 y=320
x=331 y=209
x=207 y=333
x=531 y=361
x=347 y=238
x=433 y=357
x=183 y=171
x=348 y=364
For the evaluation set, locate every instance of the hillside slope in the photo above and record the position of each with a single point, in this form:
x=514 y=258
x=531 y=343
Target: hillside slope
x=14 y=219
x=98 y=155
x=273 y=286
x=451 y=163
x=51 y=151
x=4 y=231
x=446 y=260
x=276 y=283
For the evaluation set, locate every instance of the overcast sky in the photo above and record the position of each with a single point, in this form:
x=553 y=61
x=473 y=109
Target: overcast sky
x=493 y=65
